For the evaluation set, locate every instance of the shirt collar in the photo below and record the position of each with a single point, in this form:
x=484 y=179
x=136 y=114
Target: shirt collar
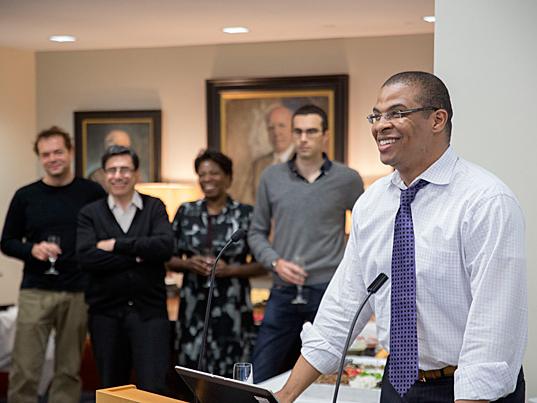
x=230 y=204
x=136 y=201
x=439 y=173
x=327 y=164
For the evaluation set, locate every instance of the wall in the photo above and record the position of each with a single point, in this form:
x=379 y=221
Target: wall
x=17 y=131
x=485 y=50
x=173 y=79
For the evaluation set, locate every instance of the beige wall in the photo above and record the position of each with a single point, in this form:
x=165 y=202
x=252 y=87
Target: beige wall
x=486 y=53
x=17 y=130
x=173 y=79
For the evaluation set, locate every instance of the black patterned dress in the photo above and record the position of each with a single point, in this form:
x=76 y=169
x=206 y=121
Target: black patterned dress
x=231 y=329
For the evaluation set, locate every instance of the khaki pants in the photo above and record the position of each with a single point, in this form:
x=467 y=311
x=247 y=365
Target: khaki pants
x=39 y=312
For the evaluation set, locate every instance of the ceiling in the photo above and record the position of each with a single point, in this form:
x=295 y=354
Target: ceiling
x=112 y=24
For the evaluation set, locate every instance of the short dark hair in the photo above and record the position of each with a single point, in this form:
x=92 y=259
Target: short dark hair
x=433 y=92
x=53 y=131
x=114 y=151
x=311 y=109
x=222 y=160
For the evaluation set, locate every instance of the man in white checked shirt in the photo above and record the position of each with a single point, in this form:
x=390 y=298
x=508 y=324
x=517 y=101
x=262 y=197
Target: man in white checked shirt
x=469 y=261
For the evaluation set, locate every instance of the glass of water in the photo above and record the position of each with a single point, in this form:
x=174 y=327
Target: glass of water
x=244 y=372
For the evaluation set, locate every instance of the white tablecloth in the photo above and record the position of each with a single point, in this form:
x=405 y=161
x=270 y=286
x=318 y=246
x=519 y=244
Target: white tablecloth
x=8 y=320
x=318 y=393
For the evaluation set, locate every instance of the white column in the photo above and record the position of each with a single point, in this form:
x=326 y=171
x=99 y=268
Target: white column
x=486 y=52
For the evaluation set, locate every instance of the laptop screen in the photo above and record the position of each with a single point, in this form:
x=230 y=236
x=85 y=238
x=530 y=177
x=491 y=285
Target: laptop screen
x=210 y=388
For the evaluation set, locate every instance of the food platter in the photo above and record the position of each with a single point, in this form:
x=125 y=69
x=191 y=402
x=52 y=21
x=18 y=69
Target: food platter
x=359 y=372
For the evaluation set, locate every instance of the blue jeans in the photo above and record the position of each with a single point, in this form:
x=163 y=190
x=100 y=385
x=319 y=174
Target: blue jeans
x=278 y=344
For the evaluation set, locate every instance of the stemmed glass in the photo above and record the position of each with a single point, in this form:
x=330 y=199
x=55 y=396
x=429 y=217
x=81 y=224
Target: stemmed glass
x=207 y=253
x=299 y=298
x=55 y=239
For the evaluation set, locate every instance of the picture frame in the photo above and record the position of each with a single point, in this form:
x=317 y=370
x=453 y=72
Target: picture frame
x=97 y=130
x=239 y=112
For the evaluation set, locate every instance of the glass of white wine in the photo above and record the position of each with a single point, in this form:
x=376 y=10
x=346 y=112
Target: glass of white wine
x=299 y=298
x=55 y=239
x=208 y=254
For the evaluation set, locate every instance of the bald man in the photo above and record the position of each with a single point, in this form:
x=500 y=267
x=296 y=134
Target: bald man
x=278 y=120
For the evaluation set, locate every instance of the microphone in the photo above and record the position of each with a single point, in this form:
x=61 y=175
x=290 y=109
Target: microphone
x=236 y=236
x=377 y=283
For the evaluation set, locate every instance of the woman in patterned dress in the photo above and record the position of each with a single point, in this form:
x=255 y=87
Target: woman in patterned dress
x=201 y=229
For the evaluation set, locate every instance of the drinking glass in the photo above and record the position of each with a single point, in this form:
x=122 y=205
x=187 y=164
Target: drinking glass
x=208 y=254
x=244 y=372
x=299 y=298
x=55 y=239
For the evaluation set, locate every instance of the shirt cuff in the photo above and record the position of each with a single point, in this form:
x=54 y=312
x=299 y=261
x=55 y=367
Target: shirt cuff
x=486 y=381
x=317 y=351
x=268 y=259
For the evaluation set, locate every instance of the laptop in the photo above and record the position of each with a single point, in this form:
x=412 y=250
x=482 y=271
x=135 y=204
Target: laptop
x=210 y=388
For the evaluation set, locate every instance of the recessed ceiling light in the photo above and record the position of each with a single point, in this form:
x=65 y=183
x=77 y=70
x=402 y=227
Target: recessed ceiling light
x=236 y=30
x=62 y=38
x=429 y=18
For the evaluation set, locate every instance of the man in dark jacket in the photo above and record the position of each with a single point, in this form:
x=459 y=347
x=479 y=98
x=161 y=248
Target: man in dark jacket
x=123 y=242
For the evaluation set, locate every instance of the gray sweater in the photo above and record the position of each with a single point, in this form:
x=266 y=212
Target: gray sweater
x=309 y=218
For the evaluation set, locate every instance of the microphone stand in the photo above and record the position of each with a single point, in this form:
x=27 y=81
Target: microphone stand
x=372 y=289
x=237 y=235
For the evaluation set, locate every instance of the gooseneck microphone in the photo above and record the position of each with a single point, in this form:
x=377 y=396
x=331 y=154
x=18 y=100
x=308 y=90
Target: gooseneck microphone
x=237 y=236
x=377 y=283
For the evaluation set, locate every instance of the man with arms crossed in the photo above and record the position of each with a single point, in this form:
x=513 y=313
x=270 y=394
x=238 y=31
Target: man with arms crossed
x=454 y=313
x=38 y=211
x=123 y=242
x=307 y=198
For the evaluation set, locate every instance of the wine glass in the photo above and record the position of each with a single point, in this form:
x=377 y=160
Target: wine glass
x=55 y=239
x=244 y=372
x=299 y=298
x=207 y=253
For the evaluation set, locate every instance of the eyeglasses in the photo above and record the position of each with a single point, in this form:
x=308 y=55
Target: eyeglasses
x=397 y=114
x=310 y=133
x=122 y=170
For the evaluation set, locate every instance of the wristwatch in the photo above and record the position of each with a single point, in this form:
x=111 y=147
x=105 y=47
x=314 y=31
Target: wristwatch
x=273 y=264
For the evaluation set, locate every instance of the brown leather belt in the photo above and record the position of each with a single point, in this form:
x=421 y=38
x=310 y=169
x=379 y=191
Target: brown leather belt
x=424 y=376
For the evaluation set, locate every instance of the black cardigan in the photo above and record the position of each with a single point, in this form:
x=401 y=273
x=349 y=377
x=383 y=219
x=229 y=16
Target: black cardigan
x=132 y=276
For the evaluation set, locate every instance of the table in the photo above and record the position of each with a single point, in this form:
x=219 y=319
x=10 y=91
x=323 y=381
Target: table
x=318 y=393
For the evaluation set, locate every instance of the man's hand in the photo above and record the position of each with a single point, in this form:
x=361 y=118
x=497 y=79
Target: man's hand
x=42 y=250
x=107 y=245
x=302 y=376
x=290 y=272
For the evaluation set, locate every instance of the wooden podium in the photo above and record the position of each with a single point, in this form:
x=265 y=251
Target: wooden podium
x=130 y=394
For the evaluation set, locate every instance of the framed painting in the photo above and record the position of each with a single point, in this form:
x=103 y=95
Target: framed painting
x=96 y=131
x=250 y=121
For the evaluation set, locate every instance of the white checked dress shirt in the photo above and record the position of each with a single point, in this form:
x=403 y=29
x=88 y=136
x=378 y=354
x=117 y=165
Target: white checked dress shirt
x=471 y=292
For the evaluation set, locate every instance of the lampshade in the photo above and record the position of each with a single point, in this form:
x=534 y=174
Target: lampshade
x=172 y=194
